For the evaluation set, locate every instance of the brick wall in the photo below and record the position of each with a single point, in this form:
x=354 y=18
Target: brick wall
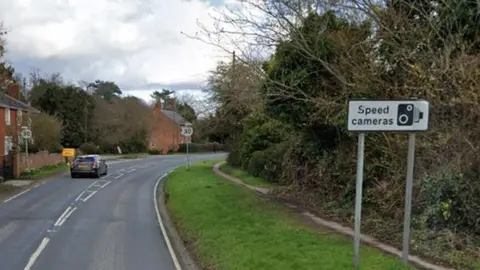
x=38 y=160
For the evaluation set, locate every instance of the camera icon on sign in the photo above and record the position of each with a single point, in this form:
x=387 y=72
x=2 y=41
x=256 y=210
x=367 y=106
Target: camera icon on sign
x=408 y=114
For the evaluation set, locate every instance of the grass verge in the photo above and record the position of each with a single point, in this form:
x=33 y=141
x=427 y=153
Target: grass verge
x=230 y=227
x=245 y=176
x=6 y=190
x=42 y=172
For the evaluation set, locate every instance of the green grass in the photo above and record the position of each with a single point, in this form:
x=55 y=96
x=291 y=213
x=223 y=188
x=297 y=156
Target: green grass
x=245 y=176
x=230 y=227
x=43 y=172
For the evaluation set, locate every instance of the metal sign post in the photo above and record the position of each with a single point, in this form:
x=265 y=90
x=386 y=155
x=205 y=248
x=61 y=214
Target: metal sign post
x=188 y=159
x=386 y=116
x=26 y=134
x=187 y=131
x=358 y=199
x=26 y=153
x=408 y=197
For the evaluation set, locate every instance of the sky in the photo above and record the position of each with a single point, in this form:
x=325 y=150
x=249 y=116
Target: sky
x=136 y=43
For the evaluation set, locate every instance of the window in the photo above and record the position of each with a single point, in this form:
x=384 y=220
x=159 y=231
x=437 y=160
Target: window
x=85 y=159
x=8 y=144
x=19 y=117
x=7 y=116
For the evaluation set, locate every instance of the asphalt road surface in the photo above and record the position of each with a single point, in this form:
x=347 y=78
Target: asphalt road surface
x=97 y=224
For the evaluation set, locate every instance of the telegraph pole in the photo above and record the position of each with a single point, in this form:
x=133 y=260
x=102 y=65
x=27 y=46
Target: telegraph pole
x=174 y=108
x=86 y=122
x=234 y=59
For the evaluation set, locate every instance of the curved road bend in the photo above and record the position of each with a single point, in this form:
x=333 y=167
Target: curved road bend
x=107 y=223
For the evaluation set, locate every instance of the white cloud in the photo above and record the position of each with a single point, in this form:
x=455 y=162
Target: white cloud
x=132 y=42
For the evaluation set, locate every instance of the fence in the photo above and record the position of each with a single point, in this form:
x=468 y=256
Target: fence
x=38 y=160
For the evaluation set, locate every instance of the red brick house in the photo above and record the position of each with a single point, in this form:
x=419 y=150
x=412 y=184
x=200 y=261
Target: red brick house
x=13 y=115
x=165 y=129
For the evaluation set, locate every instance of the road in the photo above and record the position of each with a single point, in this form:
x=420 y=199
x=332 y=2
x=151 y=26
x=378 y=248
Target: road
x=97 y=224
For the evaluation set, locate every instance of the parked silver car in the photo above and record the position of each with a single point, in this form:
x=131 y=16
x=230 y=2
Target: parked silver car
x=91 y=165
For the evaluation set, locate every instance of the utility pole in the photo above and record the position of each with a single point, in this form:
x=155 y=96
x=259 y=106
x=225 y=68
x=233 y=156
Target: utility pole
x=234 y=59
x=174 y=129
x=86 y=122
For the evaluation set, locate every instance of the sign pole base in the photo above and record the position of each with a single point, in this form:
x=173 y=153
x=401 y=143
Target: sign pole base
x=358 y=200
x=408 y=197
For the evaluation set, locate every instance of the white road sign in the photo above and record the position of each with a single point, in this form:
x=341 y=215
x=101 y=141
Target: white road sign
x=388 y=115
x=26 y=134
x=187 y=131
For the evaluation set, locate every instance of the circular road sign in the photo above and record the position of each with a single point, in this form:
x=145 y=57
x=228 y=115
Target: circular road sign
x=26 y=133
x=187 y=131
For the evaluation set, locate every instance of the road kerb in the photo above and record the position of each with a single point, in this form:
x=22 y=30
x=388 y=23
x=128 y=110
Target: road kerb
x=180 y=254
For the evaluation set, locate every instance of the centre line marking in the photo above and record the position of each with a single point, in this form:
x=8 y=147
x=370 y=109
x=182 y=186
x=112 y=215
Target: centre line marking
x=89 y=196
x=106 y=184
x=67 y=216
x=118 y=176
x=37 y=252
x=92 y=184
x=61 y=216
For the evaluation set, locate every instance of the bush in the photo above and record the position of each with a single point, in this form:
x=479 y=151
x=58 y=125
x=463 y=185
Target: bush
x=55 y=149
x=88 y=149
x=234 y=158
x=257 y=163
x=201 y=147
x=259 y=133
x=267 y=164
x=154 y=152
x=32 y=148
x=449 y=201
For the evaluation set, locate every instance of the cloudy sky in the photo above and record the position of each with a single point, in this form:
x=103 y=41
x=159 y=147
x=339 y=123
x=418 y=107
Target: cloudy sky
x=136 y=43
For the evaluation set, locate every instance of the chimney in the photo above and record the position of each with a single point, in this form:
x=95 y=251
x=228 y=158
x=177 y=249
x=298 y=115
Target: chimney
x=13 y=90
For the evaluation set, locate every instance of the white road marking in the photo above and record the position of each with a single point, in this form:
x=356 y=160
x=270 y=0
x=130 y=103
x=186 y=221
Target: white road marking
x=17 y=195
x=67 y=216
x=92 y=184
x=89 y=196
x=37 y=252
x=106 y=184
x=62 y=216
x=131 y=170
x=118 y=176
x=79 y=196
x=162 y=228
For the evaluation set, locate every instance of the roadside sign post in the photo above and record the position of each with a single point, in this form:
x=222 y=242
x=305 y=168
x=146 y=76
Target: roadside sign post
x=386 y=116
x=68 y=153
x=188 y=159
x=408 y=197
x=358 y=198
x=187 y=132
x=26 y=134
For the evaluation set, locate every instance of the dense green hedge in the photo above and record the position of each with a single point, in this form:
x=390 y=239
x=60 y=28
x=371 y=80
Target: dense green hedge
x=154 y=152
x=201 y=147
